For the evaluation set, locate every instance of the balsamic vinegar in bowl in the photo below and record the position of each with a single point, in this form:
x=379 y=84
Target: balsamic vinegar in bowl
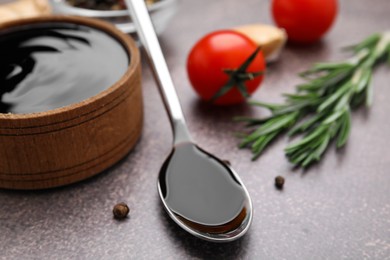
x=70 y=100
x=47 y=66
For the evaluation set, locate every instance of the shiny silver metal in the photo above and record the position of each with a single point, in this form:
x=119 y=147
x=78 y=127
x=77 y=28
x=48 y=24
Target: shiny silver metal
x=161 y=13
x=148 y=38
x=147 y=35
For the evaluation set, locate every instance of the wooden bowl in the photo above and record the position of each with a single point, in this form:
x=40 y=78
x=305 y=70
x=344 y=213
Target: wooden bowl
x=65 y=145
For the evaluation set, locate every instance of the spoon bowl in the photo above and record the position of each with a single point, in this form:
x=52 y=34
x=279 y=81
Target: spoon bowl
x=204 y=195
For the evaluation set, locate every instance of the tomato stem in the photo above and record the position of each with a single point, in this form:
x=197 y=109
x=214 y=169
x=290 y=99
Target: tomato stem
x=237 y=77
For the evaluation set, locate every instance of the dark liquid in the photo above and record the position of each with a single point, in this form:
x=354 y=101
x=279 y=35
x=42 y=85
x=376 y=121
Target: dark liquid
x=47 y=66
x=202 y=191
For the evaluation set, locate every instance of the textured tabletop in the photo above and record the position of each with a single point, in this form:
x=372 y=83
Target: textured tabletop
x=339 y=209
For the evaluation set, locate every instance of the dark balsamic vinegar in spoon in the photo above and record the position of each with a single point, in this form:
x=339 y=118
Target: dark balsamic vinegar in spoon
x=202 y=191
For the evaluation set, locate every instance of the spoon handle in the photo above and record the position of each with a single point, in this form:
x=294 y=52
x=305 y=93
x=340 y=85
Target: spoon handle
x=148 y=37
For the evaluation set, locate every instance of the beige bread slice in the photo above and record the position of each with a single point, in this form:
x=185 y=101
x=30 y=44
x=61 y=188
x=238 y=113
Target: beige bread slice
x=23 y=9
x=270 y=38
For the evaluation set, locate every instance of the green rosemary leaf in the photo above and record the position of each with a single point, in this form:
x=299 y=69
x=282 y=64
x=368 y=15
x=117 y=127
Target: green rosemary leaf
x=369 y=92
x=309 y=160
x=258 y=148
x=283 y=121
x=381 y=48
x=308 y=87
x=358 y=99
x=313 y=135
x=306 y=124
x=320 y=110
x=333 y=117
x=294 y=98
x=319 y=67
x=326 y=82
x=294 y=107
x=334 y=97
x=360 y=57
x=299 y=158
x=278 y=124
x=321 y=148
x=335 y=127
x=334 y=78
x=258 y=133
x=250 y=120
x=369 y=42
x=306 y=148
x=345 y=129
x=344 y=101
x=362 y=79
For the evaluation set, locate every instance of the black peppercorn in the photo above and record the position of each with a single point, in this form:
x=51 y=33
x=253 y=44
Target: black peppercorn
x=120 y=210
x=279 y=182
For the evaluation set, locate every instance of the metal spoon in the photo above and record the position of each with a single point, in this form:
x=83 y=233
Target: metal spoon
x=200 y=192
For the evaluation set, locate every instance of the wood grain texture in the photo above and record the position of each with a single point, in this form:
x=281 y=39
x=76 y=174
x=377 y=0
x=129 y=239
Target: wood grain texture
x=65 y=145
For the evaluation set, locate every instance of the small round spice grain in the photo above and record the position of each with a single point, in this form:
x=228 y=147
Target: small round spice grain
x=120 y=210
x=279 y=182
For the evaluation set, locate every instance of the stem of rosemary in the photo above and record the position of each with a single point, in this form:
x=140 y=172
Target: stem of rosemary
x=320 y=110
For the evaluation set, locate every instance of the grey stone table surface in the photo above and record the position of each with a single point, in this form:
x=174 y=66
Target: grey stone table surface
x=339 y=209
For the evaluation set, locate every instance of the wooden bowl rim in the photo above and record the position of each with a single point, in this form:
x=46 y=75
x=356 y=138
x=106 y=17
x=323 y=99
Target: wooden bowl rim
x=127 y=42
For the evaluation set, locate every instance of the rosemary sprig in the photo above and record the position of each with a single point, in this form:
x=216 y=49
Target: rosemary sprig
x=320 y=110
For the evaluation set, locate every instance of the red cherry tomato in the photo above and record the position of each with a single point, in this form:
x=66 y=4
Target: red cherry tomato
x=217 y=52
x=305 y=21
